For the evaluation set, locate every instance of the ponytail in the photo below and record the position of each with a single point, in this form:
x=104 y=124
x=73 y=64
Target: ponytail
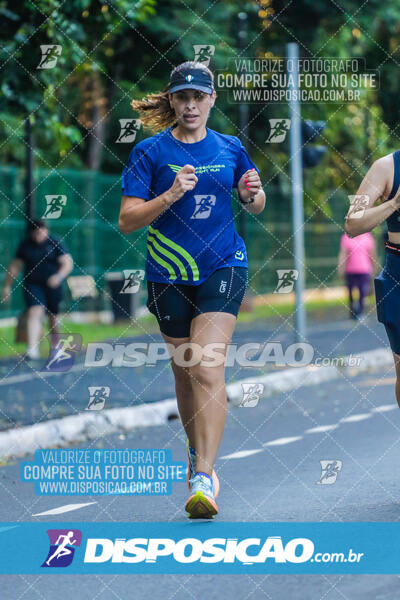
x=155 y=111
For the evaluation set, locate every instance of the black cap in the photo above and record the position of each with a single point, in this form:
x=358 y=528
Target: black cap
x=192 y=79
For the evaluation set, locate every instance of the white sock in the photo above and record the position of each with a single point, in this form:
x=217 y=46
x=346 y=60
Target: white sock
x=33 y=352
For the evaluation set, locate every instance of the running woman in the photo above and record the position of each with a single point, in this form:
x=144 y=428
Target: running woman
x=179 y=183
x=383 y=181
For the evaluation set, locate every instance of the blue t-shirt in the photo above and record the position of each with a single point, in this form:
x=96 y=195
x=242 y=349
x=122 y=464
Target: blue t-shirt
x=196 y=235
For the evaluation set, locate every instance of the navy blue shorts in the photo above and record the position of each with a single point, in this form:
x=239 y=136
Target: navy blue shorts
x=175 y=305
x=387 y=291
x=42 y=295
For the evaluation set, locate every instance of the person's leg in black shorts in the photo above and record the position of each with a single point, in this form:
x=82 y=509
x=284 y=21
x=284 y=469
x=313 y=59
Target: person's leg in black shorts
x=38 y=298
x=53 y=300
x=201 y=315
x=35 y=301
x=218 y=302
x=173 y=306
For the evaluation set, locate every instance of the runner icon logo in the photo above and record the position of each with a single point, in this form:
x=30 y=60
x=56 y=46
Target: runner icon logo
x=251 y=394
x=279 y=129
x=329 y=471
x=54 y=206
x=129 y=128
x=203 y=53
x=62 y=353
x=50 y=54
x=132 y=279
x=97 y=397
x=358 y=205
x=286 y=277
x=204 y=203
x=62 y=547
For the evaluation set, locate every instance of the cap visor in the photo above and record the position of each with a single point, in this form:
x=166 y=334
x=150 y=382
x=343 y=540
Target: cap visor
x=190 y=86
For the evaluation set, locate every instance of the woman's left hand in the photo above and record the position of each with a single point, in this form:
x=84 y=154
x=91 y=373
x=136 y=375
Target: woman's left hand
x=249 y=184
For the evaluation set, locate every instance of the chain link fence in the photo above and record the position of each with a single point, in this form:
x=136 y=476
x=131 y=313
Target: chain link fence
x=88 y=226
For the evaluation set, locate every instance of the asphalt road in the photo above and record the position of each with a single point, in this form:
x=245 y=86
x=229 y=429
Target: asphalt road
x=354 y=420
x=27 y=395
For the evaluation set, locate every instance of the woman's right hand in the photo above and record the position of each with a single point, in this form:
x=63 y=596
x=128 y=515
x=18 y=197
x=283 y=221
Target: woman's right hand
x=185 y=181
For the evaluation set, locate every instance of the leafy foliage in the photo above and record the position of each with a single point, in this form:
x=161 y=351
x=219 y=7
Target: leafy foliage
x=130 y=49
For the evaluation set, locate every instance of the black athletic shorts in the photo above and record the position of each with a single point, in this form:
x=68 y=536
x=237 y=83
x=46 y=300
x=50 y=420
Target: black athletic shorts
x=175 y=305
x=40 y=294
x=387 y=292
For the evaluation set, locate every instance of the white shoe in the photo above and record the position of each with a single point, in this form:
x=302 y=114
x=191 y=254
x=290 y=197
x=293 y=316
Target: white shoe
x=33 y=353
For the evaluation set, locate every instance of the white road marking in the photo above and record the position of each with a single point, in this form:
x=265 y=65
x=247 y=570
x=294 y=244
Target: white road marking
x=63 y=509
x=355 y=418
x=284 y=440
x=241 y=454
x=321 y=429
x=385 y=408
x=38 y=375
x=377 y=381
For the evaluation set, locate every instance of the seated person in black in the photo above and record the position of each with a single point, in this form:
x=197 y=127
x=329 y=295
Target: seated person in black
x=46 y=263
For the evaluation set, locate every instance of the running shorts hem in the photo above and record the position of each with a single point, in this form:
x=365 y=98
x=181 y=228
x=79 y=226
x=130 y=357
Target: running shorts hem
x=43 y=295
x=175 y=305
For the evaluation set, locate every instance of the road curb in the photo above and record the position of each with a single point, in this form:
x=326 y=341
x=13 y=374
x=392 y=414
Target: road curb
x=293 y=378
x=90 y=425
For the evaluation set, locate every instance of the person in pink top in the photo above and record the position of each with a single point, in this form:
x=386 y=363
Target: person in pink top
x=356 y=261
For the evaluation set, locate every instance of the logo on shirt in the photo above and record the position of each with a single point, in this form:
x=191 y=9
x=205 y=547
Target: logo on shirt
x=204 y=204
x=239 y=255
x=200 y=169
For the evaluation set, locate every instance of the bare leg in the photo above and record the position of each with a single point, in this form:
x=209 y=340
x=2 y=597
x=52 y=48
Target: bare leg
x=34 y=327
x=54 y=328
x=183 y=389
x=208 y=385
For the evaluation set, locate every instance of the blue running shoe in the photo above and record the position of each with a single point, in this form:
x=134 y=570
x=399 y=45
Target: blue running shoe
x=191 y=470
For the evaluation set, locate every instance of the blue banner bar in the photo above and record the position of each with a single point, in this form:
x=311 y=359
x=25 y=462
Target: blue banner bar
x=199 y=547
